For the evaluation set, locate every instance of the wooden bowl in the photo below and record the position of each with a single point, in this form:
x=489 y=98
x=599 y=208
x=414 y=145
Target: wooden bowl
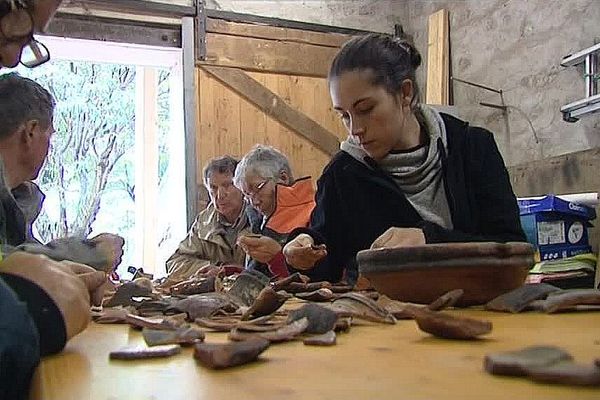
x=421 y=274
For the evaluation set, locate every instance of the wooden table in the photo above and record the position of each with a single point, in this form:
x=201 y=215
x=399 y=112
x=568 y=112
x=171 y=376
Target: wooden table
x=369 y=362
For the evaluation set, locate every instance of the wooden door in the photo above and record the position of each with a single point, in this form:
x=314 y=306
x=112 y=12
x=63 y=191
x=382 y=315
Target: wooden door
x=267 y=85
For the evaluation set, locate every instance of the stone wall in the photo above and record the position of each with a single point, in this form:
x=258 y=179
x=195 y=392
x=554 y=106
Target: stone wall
x=517 y=46
x=372 y=15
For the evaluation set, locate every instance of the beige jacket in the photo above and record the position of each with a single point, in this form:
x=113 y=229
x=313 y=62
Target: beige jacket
x=209 y=241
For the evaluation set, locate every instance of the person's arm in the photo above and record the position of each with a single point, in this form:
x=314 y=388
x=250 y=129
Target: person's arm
x=57 y=295
x=327 y=228
x=19 y=345
x=493 y=196
x=195 y=252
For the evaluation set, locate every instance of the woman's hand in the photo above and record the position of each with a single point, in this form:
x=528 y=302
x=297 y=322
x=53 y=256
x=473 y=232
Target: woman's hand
x=301 y=253
x=261 y=248
x=399 y=237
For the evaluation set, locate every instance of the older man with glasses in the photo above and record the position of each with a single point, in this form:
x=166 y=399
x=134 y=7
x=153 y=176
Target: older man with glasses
x=43 y=303
x=265 y=178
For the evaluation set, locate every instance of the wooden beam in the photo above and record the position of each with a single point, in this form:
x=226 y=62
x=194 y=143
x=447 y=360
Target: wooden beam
x=146 y=171
x=275 y=107
x=283 y=23
x=114 y=30
x=191 y=115
x=268 y=55
x=438 y=59
x=276 y=33
x=151 y=8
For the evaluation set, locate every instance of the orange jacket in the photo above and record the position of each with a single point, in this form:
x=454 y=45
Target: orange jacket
x=294 y=206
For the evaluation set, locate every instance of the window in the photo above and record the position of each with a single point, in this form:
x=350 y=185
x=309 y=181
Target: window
x=116 y=162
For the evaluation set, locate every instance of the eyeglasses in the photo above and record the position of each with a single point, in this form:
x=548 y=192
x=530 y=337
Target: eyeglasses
x=256 y=191
x=17 y=26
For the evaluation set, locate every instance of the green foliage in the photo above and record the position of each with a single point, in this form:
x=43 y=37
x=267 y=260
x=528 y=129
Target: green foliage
x=92 y=161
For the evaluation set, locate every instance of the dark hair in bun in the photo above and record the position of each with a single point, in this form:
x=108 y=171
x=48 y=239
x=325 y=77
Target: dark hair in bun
x=391 y=59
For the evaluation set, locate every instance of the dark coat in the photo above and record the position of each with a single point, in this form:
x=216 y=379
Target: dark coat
x=357 y=203
x=26 y=310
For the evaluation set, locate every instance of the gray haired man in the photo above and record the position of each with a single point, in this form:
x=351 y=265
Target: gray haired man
x=26 y=114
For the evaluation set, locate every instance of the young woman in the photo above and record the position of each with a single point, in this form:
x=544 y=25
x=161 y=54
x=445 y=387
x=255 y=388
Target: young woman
x=406 y=175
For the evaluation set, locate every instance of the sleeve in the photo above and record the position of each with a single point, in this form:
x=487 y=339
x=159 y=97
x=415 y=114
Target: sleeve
x=194 y=253
x=327 y=227
x=492 y=194
x=44 y=313
x=19 y=346
x=31 y=325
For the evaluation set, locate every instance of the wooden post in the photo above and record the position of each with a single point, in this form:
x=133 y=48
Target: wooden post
x=438 y=59
x=146 y=168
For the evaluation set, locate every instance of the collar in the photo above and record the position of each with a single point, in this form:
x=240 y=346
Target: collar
x=293 y=206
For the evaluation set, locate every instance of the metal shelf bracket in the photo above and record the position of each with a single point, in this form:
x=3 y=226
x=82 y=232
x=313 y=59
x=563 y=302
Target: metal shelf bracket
x=591 y=103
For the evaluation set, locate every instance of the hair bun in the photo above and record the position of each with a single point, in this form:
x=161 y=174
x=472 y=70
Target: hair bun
x=406 y=44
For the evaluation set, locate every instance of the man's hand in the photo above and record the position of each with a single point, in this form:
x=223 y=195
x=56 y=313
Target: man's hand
x=301 y=253
x=261 y=249
x=67 y=283
x=399 y=237
x=111 y=246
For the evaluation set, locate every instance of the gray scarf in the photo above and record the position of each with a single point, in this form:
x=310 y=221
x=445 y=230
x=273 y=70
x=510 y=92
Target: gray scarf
x=418 y=173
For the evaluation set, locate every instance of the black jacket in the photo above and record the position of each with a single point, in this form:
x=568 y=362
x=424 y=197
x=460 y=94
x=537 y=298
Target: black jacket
x=357 y=203
x=26 y=310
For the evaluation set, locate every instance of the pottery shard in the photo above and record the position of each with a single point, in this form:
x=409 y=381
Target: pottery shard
x=296 y=277
x=219 y=356
x=320 y=319
x=202 y=305
x=151 y=323
x=301 y=287
x=326 y=339
x=567 y=299
x=361 y=307
x=268 y=327
x=399 y=309
x=446 y=300
x=126 y=292
x=566 y=373
x=194 y=286
x=267 y=302
x=183 y=336
x=140 y=352
x=450 y=327
x=519 y=299
x=110 y=316
x=285 y=333
x=516 y=363
x=343 y=324
x=319 y=295
x=247 y=286
x=341 y=288
x=226 y=326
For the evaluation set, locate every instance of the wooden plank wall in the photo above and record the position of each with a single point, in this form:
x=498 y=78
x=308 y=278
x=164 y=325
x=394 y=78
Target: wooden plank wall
x=229 y=124
x=293 y=65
